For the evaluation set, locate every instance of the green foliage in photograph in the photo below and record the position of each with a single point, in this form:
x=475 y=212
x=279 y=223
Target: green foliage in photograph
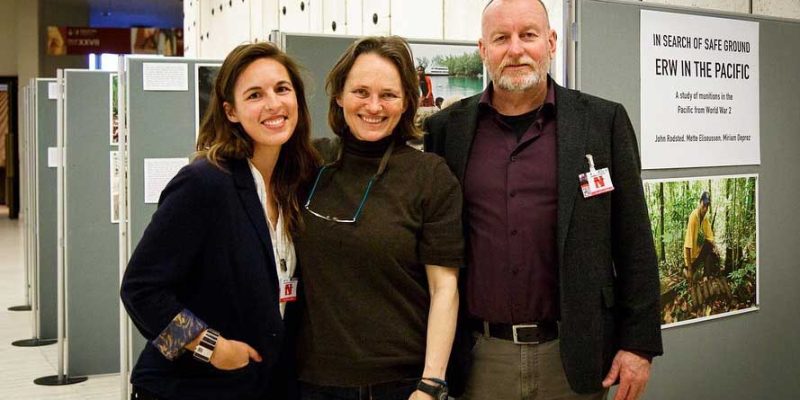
x=727 y=281
x=114 y=90
x=114 y=109
x=467 y=64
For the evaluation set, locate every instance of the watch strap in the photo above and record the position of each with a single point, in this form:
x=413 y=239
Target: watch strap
x=205 y=349
x=437 y=391
x=439 y=381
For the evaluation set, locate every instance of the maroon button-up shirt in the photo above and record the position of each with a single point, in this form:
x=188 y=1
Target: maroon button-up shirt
x=511 y=196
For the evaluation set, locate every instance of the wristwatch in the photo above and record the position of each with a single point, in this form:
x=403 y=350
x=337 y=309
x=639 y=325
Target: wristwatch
x=205 y=348
x=438 y=391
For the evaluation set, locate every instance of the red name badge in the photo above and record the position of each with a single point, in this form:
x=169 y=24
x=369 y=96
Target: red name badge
x=288 y=290
x=595 y=182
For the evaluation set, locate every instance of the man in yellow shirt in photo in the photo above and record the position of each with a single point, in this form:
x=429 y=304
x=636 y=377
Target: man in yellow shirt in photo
x=699 y=251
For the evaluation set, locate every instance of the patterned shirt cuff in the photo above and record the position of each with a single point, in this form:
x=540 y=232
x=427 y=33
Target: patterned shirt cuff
x=183 y=329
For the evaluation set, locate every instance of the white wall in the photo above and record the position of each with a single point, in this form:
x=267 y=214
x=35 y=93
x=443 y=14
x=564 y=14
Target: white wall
x=355 y=23
x=777 y=8
x=213 y=27
x=252 y=20
x=463 y=19
x=27 y=40
x=419 y=19
x=191 y=29
x=295 y=16
x=739 y=6
x=8 y=38
x=214 y=35
x=772 y=8
x=19 y=42
x=270 y=15
x=558 y=67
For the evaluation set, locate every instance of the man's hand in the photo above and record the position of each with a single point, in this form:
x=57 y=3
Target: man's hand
x=232 y=354
x=633 y=372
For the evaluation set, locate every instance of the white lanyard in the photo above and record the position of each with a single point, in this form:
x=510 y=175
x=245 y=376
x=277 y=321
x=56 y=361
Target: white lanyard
x=283 y=248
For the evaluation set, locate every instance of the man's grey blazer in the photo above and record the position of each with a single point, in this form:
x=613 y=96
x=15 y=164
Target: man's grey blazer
x=608 y=274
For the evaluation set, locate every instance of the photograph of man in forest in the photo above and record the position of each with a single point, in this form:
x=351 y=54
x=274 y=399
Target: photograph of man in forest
x=707 y=250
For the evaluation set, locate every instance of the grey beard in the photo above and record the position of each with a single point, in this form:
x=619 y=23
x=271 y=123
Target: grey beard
x=516 y=84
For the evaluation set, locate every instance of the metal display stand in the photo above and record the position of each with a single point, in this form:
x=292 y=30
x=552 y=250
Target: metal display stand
x=30 y=217
x=62 y=377
x=25 y=197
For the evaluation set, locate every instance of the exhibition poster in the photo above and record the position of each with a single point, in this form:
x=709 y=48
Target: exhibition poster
x=699 y=91
x=165 y=77
x=157 y=174
x=705 y=232
x=115 y=168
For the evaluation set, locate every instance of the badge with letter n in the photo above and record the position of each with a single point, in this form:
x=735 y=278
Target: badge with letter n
x=596 y=181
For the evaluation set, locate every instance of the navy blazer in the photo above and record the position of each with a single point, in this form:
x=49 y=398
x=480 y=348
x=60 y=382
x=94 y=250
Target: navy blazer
x=208 y=250
x=608 y=273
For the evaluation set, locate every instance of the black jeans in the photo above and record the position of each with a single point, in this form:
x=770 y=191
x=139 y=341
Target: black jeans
x=399 y=390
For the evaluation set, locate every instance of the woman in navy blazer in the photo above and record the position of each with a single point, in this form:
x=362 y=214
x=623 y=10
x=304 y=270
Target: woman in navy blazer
x=211 y=279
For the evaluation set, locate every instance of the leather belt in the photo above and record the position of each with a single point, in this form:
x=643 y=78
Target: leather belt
x=533 y=333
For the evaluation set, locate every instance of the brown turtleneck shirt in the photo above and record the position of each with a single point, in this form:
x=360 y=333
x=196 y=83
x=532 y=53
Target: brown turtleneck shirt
x=365 y=289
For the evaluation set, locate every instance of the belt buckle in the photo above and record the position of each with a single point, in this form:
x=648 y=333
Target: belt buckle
x=514 y=332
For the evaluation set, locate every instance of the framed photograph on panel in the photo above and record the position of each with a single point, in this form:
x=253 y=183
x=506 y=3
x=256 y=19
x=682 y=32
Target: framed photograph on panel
x=705 y=231
x=113 y=130
x=451 y=72
x=205 y=75
x=447 y=73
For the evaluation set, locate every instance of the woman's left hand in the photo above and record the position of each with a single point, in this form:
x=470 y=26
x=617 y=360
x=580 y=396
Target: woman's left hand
x=418 y=395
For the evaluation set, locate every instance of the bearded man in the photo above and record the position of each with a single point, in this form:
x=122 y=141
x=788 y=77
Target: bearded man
x=562 y=290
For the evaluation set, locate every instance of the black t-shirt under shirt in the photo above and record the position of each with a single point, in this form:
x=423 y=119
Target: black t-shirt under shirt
x=520 y=123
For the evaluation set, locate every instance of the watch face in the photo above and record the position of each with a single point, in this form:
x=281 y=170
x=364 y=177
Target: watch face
x=203 y=351
x=443 y=394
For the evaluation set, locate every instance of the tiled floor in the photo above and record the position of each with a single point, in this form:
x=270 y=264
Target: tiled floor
x=19 y=366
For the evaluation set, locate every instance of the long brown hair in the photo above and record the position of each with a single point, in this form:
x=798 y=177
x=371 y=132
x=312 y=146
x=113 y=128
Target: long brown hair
x=221 y=140
x=397 y=51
